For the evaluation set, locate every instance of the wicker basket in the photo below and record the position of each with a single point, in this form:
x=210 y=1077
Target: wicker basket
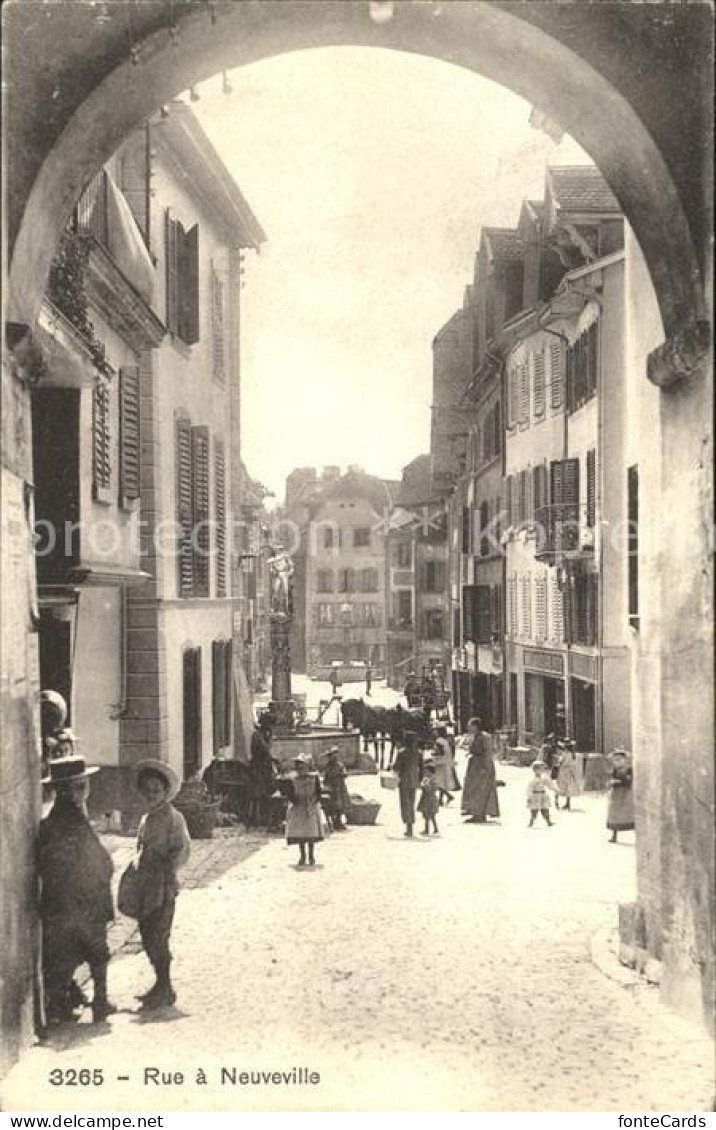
x=363 y=811
x=200 y=818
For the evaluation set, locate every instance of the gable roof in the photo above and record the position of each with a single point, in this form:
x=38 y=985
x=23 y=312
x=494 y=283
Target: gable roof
x=503 y=243
x=580 y=188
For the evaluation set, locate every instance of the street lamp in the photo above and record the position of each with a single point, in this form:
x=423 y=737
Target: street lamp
x=346 y=616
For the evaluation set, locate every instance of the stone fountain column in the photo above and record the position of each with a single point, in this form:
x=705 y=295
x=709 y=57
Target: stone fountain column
x=281 y=705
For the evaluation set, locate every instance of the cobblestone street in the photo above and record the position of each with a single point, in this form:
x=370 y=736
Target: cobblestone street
x=447 y=973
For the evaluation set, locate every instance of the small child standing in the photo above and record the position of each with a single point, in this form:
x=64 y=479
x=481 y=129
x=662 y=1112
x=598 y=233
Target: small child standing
x=429 y=802
x=163 y=847
x=538 y=790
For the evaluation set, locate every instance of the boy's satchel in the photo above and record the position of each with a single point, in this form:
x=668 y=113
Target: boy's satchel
x=130 y=893
x=141 y=891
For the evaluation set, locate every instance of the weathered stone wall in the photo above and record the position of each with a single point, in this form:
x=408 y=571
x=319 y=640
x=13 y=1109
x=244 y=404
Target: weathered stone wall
x=20 y=762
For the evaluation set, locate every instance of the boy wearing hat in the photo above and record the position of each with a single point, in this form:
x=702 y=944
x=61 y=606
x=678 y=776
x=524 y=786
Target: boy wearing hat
x=163 y=846
x=75 y=872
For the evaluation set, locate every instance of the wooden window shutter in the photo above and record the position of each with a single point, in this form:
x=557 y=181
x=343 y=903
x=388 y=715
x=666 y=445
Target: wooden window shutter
x=218 y=688
x=101 y=449
x=556 y=625
x=592 y=375
x=192 y=711
x=540 y=383
x=510 y=502
x=591 y=487
x=185 y=507
x=220 y=515
x=189 y=286
x=200 y=506
x=218 y=346
x=527 y=606
x=570 y=503
x=569 y=378
x=541 y=608
x=468 y=613
x=556 y=356
x=497 y=426
x=483 y=611
x=228 y=689
x=171 y=255
x=529 y=495
x=524 y=394
x=522 y=516
x=129 y=434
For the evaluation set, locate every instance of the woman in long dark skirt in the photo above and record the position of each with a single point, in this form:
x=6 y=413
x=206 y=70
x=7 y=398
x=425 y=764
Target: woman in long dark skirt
x=620 y=814
x=479 y=792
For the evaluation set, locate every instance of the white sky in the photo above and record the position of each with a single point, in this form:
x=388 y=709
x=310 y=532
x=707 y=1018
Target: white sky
x=371 y=172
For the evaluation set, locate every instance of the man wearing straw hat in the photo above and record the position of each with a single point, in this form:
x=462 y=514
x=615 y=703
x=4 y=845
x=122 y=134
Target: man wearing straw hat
x=75 y=872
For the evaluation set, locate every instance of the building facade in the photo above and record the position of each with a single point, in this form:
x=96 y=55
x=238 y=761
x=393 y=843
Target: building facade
x=136 y=442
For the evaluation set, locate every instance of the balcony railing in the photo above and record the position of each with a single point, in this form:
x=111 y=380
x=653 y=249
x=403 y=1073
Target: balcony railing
x=92 y=210
x=561 y=531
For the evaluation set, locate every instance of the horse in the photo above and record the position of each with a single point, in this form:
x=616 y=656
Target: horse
x=376 y=723
x=372 y=721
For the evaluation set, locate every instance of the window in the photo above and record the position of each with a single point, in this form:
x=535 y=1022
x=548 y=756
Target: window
x=101 y=448
x=433 y=624
x=456 y=627
x=526 y=618
x=134 y=179
x=182 y=279
x=513 y=611
x=633 y=544
x=582 y=364
x=128 y=435
x=324 y=614
x=324 y=580
x=220 y=515
x=346 y=580
x=539 y=490
x=221 y=687
x=361 y=537
x=556 y=373
x=510 y=503
x=591 y=487
x=496 y=610
x=403 y=604
x=513 y=397
x=540 y=383
x=331 y=537
x=524 y=395
x=541 y=608
x=497 y=429
x=218 y=339
x=484 y=532
x=434 y=576
x=483 y=614
x=582 y=609
x=192 y=686
x=466 y=513
x=371 y=615
x=369 y=580
x=403 y=554
x=564 y=493
x=192 y=471
x=556 y=617
x=522 y=504
x=468 y=615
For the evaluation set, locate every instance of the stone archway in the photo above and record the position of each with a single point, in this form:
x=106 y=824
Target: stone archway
x=80 y=79
x=492 y=40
